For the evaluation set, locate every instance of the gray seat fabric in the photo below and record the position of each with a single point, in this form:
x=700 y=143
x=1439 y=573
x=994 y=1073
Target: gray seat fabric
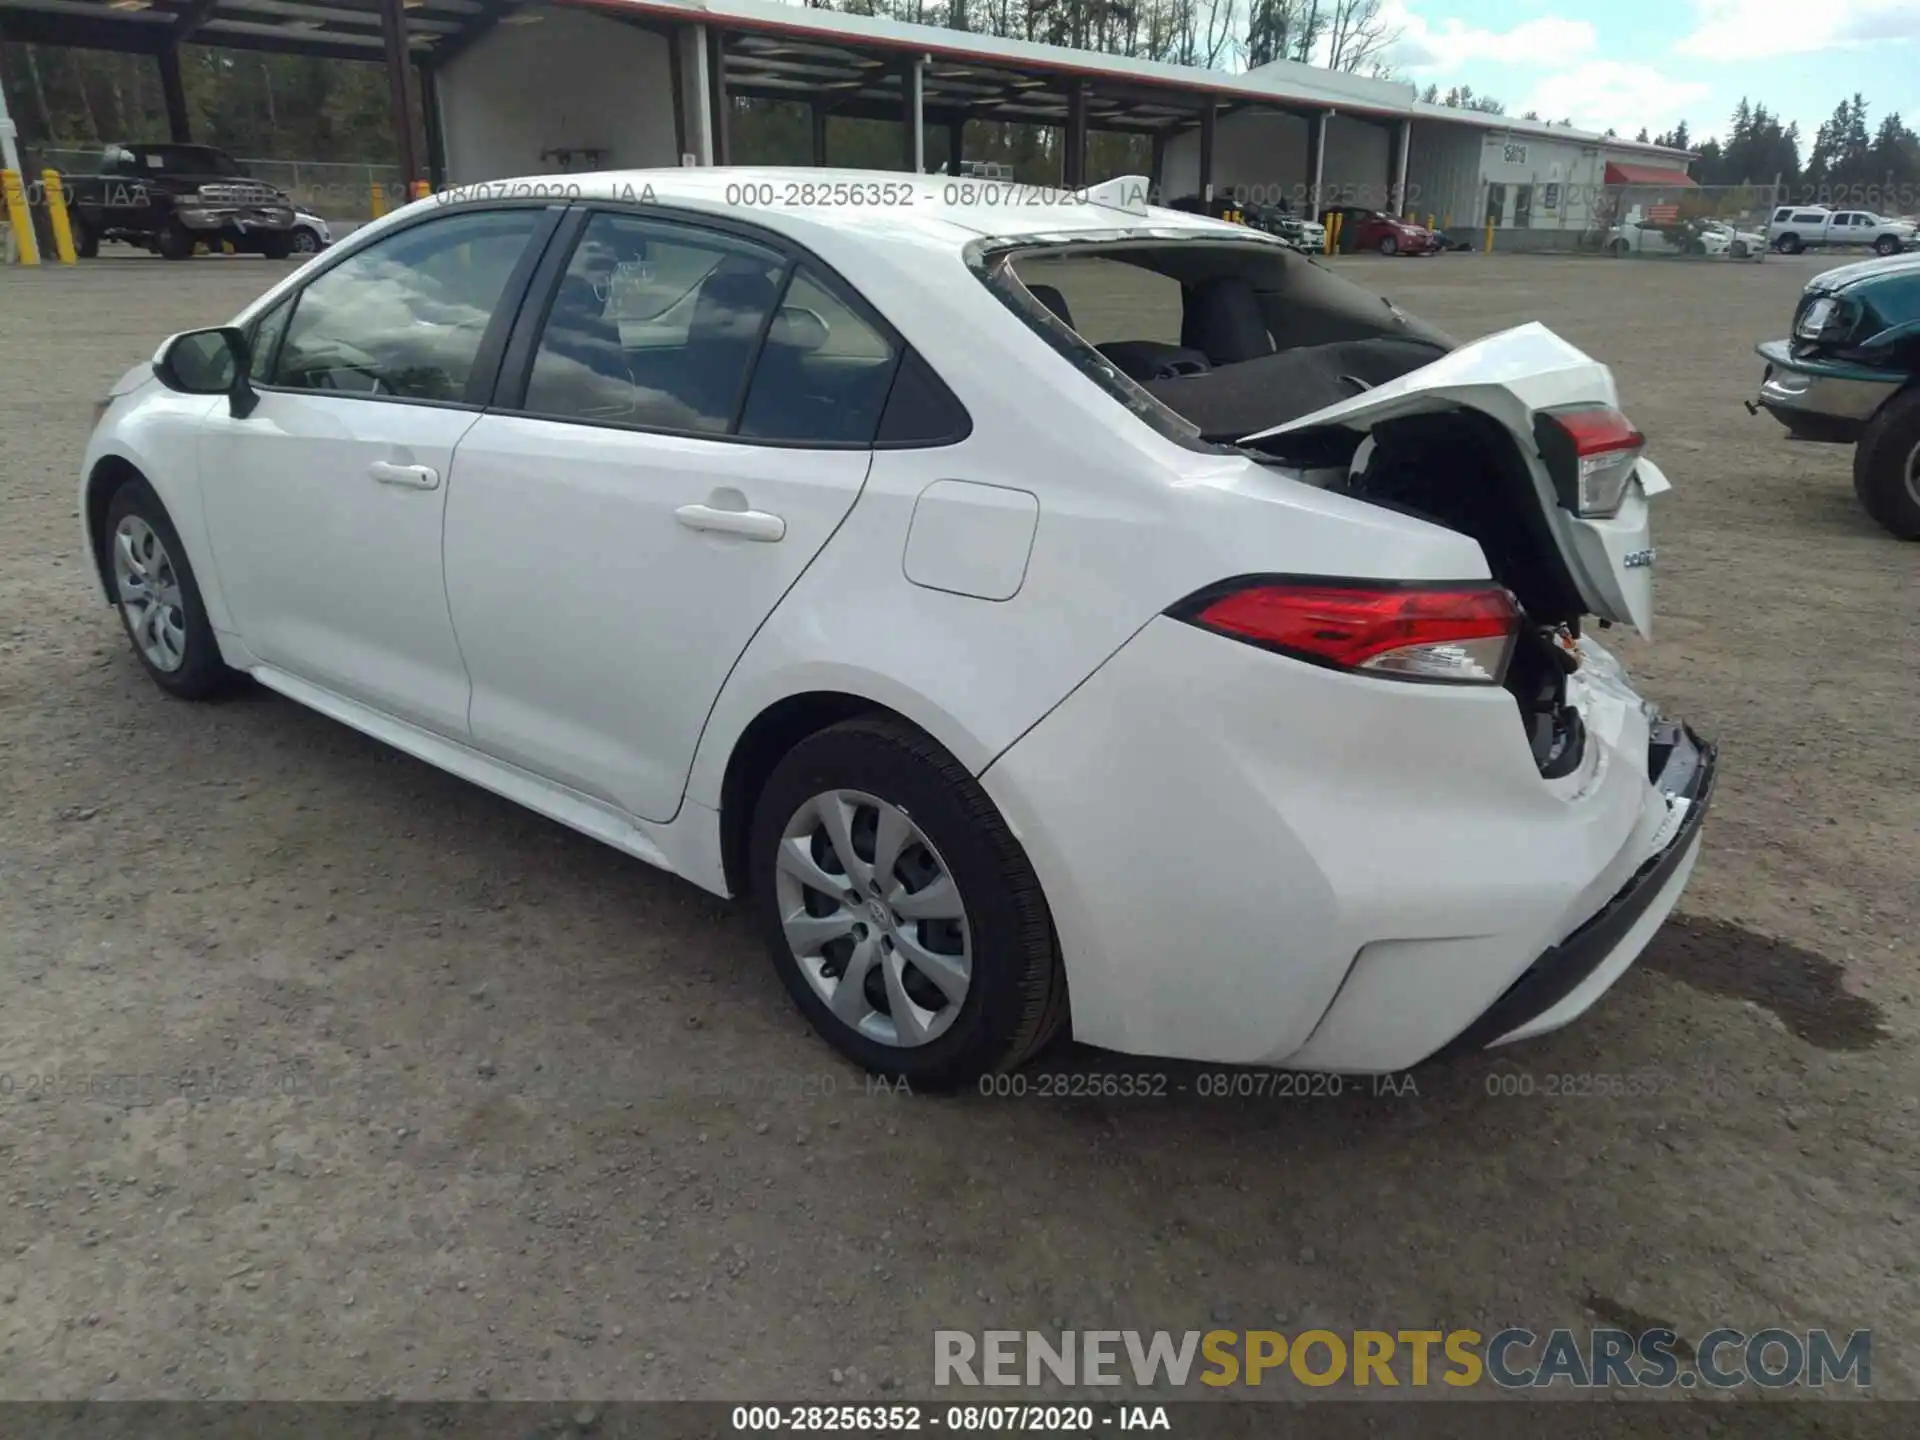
x=1054 y=301
x=1222 y=321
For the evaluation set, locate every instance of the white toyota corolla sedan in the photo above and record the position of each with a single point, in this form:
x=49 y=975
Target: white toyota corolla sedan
x=1051 y=612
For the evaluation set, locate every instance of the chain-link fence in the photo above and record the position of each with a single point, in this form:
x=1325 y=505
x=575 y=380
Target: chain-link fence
x=334 y=191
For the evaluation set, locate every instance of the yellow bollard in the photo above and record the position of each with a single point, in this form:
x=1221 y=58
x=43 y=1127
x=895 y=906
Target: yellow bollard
x=1489 y=237
x=1339 y=224
x=20 y=217
x=421 y=190
x=57 y=217
x=379 y=205
x=1429 y=222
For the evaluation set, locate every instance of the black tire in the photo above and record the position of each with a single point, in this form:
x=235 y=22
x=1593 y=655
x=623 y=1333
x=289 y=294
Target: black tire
x=1617 y=249
x=174 y=243
x=1016 y=999
x=1389 y=245
x=1886 y=245
x=304 y=241
x=1790 y=244
x=277 y=247
x=202 y=674
x=86 y=244
x=1886 y=466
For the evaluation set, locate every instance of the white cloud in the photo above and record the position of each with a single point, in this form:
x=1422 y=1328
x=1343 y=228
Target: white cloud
x=1548 y=40
x=1757 y=29
x=1603 y=93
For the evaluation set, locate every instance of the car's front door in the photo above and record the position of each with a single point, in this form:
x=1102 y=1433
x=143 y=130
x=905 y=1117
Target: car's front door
x=325 y=504
x=671 y=447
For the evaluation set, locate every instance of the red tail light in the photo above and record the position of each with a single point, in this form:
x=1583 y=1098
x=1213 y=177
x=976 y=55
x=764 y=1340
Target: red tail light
x=1461 y=634
x=1590 y=451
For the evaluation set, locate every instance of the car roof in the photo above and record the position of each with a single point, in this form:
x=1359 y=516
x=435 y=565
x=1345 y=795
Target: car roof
x=879 y=205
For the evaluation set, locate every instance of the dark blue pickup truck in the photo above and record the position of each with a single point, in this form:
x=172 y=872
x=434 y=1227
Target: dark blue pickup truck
x=1849 y=374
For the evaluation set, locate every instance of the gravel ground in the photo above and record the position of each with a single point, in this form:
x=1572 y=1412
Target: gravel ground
x=473 y=1106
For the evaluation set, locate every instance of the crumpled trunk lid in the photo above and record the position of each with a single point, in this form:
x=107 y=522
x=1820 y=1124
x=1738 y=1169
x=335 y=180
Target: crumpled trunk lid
x=1511 y=377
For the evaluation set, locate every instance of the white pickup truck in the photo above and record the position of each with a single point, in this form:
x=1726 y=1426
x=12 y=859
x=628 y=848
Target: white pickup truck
x=1796 y=228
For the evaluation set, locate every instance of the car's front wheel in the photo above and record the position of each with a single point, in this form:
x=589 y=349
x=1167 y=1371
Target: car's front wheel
x=1389 y=245
x=86 y=243
x=305 y=242
x=158 y=598
x=174 y=242
x=901 y=912
x=1886 y=467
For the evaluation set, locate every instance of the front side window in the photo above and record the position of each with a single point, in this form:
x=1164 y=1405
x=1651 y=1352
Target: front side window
x=404 y=318
x=268 y=331
x=655 y=325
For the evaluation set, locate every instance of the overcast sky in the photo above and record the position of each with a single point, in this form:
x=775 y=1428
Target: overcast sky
x=1630 y=63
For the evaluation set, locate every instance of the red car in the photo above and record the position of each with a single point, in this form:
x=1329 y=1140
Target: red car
x=1364 y=229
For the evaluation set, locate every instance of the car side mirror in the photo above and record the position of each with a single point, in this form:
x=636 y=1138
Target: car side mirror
x=210 y=362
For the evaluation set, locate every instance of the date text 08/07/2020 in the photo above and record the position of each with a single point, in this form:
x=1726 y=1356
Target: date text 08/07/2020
x=960 y=1419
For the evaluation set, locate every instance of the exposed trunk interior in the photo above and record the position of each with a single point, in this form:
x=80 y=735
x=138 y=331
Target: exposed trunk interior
x=1459 y=469
x=1213 y=341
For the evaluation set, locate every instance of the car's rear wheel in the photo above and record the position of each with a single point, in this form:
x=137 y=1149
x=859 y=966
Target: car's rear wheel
x=1790 y=245
x=86 y=244
x=1617 y=249
x=1886 y=467
x=1886 y=245
x=901 y=913
x=158 y=598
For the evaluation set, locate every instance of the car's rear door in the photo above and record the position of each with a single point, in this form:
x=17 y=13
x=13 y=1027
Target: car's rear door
x=686 y=414
x=325 y=503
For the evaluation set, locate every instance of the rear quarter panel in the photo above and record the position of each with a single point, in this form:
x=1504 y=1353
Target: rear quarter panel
x=1128 y=524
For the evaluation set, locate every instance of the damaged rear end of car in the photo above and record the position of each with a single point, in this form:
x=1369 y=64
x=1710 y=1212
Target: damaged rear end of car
x=1493 y=820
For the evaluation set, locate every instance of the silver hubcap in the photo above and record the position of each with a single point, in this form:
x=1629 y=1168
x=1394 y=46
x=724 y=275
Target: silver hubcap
x=149 y=594
x=1913 y=475
x=872 y=917
x=305 y=244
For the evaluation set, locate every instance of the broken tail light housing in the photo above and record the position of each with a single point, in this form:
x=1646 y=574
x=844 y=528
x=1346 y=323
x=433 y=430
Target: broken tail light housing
x=1590 y=452
x=1458 y=634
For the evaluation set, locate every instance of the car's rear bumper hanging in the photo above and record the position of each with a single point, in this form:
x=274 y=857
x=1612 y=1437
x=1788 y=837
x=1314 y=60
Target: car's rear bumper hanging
x=1686 y=775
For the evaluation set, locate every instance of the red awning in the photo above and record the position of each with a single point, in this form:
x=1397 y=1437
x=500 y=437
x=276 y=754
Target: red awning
x=1649 y=175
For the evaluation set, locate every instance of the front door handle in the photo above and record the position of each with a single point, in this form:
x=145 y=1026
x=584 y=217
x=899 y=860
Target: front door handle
x=749 y=524
x=415 y=477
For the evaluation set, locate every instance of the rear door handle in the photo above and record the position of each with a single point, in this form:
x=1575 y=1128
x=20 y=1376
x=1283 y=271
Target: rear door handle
x=415 y=477
x=749 y=524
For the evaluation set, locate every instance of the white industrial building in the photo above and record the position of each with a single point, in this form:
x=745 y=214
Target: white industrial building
x=515 y=87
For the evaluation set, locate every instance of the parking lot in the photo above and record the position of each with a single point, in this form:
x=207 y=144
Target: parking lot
x=474 y=1106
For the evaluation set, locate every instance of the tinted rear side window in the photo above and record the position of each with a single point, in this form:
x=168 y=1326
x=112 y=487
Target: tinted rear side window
x=921 y=410
x=823 y=374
